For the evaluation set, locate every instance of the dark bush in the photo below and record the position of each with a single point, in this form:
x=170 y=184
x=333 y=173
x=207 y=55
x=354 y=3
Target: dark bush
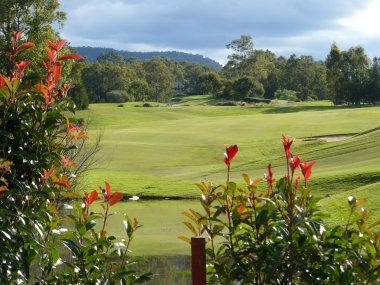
x=256 y=100
x=118 y=96
x=228 y=103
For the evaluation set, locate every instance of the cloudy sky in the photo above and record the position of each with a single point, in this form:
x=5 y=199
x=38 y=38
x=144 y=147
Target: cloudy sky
x=303 y=27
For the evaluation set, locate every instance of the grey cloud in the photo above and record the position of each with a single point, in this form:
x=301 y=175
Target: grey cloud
x=200 y=24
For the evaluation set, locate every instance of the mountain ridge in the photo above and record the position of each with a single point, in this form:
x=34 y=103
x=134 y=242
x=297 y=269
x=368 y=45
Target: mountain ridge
x=92 y=53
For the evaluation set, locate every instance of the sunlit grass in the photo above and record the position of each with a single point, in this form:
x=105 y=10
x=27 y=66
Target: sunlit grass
x=164 y=151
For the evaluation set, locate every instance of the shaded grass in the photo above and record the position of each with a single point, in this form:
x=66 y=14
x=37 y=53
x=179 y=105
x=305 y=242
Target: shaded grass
x=337 y=204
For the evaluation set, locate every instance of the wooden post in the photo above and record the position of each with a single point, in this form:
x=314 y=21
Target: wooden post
x=198 y=260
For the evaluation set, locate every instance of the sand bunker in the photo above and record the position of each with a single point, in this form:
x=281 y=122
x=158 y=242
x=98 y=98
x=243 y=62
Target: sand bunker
x=334 y=138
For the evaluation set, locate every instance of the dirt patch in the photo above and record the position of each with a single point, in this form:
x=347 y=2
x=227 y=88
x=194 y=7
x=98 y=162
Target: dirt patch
x=333 y=138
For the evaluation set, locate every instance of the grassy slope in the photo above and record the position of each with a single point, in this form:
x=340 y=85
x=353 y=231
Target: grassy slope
x=164 y=151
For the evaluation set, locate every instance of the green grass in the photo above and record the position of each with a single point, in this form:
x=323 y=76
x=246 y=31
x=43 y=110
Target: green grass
x=164 y=151
x=161 y=225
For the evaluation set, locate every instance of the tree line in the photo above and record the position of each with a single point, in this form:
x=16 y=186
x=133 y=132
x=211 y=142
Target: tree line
x=344 y=77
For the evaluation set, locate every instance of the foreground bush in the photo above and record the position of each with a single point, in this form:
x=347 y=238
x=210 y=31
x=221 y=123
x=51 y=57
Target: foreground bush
x=277 y=235
x=43 y=239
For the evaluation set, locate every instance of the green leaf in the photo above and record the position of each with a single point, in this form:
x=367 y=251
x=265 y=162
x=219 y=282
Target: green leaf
x=231 y=188
x=374 y=224
x=16 y=84
x=128 y=227
x=191 y=228
x=281 y=185
x=217 y=229
x=185 y=239
x=72 y=195
x=4 y=91
x=72 y=246
x=54 y=254
x=90 y=225
x=195 y=213
x=144 y=277
x=193 y=218
x=81 y=229
x=262 y=217
x=7 y=82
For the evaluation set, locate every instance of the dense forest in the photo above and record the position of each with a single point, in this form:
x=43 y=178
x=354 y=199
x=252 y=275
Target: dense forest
x=92 y=54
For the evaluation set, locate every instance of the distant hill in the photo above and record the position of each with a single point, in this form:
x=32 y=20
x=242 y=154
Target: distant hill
x=92 y=53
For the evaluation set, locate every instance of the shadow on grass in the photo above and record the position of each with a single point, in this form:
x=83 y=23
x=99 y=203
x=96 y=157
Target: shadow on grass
x=327 y=186
x=293 y=109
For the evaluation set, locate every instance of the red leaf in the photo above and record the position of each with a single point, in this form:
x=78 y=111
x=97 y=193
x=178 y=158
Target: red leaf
x=116 y=197
x=64 y=183
x=70 y=56
x=269 y=176
x=57 y=71
x=92 y=198
x=67 y=162
x=65 y=88
x=287 y=144
x=3 y=188
x=47 y=174
x=51 y=54
x=294 y=163
x=231 y=151
x=15 y=38
x=42 y=88
x=17 y=35
x=50 y=44
x=24 y=46
x=69 y=127
x=59 y=44
x=21 y=67
x=108 y=189
x=306 y=169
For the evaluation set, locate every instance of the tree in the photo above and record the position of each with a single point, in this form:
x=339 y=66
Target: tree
x=355 y=71
x=159 y=78
x=306 y=76
x=112 y=56
x=28 y=17
x=102 y=77
x=247 y=87
x=191 y=75
x=372 y=93
x=139 y=89
x=209 y=82
x=348 y=75
x=273 y=82
x=79 y=95
x=228 y=91
x=334 y=75
x=242 y=49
